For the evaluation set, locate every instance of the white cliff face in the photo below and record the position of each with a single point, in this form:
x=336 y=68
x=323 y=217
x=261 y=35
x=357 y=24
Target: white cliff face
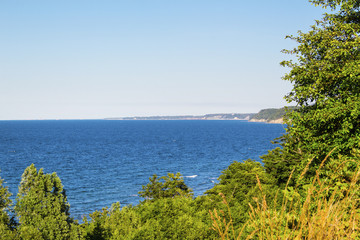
x=277 y=121
x=280 y=120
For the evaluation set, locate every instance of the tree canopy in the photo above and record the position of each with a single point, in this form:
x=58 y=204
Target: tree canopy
x=5 y=220
x=326 y=88
x=165 y=187
x=42 y=206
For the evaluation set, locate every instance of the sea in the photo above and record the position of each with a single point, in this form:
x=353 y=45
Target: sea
x=101 y=162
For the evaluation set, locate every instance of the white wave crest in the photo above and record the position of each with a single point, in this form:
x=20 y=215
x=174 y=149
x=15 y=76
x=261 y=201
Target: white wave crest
x=192 y=176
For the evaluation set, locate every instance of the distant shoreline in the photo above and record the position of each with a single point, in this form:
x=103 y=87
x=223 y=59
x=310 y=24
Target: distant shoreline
x=250 y=117
x=270 y=115
x=217 y=116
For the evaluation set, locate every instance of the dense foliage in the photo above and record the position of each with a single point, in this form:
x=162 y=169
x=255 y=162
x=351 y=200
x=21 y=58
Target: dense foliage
x=5 y=221
x=164 y=187
x=326 y=89
x=307 y=189
x=42 y=207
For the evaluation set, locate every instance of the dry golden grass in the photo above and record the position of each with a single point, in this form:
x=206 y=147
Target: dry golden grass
x=223 y=227
x=324 y=212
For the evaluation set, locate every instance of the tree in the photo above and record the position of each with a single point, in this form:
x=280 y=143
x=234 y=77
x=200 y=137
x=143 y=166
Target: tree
x=165 y=187
x=5 y=221
x=326 y=89
x=239 y=184
x=239 y=179
x=172 y=218
x=42 y=206
x=113 y=223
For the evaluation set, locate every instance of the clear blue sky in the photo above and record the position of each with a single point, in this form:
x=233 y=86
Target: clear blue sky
x=96 y=59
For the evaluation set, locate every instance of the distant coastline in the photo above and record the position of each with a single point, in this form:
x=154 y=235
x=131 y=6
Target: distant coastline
x=270 y=115
x=217 y=116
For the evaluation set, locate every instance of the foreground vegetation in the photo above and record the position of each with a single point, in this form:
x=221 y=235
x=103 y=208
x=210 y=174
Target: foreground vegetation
x=307 y=189
x=246 y=204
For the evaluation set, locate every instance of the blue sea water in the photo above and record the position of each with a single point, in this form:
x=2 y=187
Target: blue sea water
x=101 y=162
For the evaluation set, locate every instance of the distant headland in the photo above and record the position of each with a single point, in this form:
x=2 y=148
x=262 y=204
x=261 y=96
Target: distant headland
x=270 y=115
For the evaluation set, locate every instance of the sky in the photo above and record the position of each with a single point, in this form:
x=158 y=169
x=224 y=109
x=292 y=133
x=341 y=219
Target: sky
x=89 y=59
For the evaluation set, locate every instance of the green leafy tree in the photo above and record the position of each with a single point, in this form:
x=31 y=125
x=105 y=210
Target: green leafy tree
x=172 y=218
x=238 y=184
x=42 y=207
x=326 y=89
x=239 y=178
x=6 y=226
x=165 y=187
x=113 y=223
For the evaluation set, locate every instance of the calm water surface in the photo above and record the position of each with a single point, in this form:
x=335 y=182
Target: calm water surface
x=101 y=162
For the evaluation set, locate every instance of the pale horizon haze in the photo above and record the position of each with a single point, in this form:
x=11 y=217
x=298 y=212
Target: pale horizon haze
x=102 y=59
